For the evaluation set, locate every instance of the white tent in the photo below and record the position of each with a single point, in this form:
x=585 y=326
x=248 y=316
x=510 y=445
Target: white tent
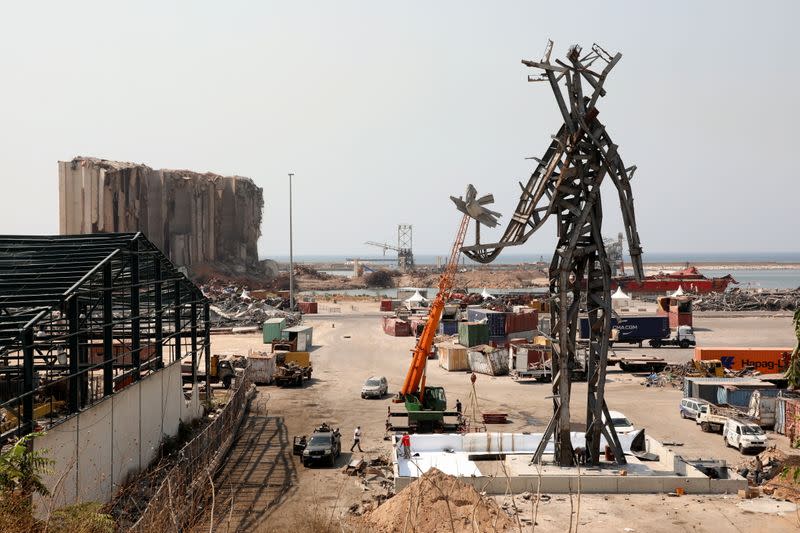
x=485 y=295
x=619 y=295
x=679 y=292
x=416 y=298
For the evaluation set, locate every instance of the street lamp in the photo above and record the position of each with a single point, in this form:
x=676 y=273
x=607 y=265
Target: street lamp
x=291 y=258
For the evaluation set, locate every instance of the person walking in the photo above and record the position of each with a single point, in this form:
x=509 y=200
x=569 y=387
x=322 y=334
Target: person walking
x=458 y=406
x=405 y=442
x=357 y=439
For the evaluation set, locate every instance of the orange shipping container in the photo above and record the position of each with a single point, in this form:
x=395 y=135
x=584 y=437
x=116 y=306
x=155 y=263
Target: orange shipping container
x=765 y=360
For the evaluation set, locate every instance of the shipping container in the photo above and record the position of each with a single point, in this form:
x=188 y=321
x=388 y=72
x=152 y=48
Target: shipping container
x=527 y=336
x=487 y=360
x=396 y=327
x=448 y=327
x=526 y=356
x=452 y=357
x=386 y=305
x=762 y=409
x=121 y=353
x=472 y=333
x=706 y=388
x=516 y=322
x=262 y=367
x=303 y=334
x=765 y=360
x=678 y=309
x=307 y=308
x=787 y=417
x=495 y=319
x=272 y=329
x=740 y=395
x=634 y=329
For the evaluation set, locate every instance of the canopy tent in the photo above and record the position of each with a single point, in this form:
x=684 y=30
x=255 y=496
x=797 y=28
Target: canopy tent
x=679 y=292
x=619 y=295
x=416 y=298
x=485 y=295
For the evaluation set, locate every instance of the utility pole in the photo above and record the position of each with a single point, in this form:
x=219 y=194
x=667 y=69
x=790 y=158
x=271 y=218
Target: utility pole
x=291 y=257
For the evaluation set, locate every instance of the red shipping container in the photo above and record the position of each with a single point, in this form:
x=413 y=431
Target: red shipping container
x=386 y=305
x=396 y=327
x=525 y=321
x=308 y=308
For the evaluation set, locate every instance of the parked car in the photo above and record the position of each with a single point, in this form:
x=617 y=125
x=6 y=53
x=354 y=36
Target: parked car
x=692 y=407
x=744 y=435
x=324 y=445
x=620 y=422
x=375 y=387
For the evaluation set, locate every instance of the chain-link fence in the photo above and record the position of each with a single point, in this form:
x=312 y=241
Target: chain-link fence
x=183 y=493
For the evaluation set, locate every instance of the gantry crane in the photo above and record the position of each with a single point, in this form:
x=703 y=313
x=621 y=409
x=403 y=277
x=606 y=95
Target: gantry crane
x=405 y=257
x=426 y=407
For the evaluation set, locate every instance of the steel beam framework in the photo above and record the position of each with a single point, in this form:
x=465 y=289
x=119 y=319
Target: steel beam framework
x=82 y=317
x=566 y=182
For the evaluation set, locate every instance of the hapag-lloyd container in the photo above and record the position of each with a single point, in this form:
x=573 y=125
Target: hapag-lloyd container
x=765 y=360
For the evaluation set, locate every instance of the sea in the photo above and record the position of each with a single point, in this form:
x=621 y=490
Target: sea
x=773 y=277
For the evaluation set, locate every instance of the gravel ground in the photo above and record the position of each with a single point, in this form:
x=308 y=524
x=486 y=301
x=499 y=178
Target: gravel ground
x=352 y=346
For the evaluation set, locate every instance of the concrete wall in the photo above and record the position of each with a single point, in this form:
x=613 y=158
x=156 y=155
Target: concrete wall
x=97 y=450
x=194 y=218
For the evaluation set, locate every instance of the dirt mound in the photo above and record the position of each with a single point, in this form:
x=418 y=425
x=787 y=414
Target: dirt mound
x=432 y=503
x=785 y=485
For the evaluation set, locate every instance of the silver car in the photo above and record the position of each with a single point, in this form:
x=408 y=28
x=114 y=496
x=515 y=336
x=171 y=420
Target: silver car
x=375 y=387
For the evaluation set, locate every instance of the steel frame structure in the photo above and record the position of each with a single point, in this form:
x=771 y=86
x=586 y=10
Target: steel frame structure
x=566 y=182
x=83 y=316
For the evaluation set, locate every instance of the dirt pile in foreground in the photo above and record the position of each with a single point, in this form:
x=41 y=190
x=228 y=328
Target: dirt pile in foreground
x=432 y=503
x=785 y=485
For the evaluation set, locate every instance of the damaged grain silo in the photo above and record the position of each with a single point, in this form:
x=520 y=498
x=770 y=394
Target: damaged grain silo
x=196 y=219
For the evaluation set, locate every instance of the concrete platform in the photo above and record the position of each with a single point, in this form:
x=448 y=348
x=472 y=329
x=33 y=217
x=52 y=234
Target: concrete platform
x=497 y=463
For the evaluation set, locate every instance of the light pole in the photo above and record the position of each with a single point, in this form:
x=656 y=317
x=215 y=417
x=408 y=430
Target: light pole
x=291 y=258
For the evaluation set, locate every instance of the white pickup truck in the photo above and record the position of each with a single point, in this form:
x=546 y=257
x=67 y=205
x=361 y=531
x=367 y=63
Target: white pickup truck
x=713 y=417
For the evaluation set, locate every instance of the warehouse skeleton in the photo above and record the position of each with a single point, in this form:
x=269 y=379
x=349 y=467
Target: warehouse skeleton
x=567 y=182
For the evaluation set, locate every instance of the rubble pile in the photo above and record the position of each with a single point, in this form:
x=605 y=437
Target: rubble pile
x=235 y=306
x=750 y=300
x=776 y=472
x=438 y=502
x=673 y=375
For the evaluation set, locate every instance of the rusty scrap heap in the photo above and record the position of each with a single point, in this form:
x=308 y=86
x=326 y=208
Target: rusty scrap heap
x=567 y=183
x=749 y=300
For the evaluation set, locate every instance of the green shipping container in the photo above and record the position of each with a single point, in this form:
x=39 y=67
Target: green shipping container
x=272 y=329
x=473 y=333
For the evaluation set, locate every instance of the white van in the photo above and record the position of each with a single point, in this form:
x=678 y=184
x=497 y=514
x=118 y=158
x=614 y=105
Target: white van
x=743 y=435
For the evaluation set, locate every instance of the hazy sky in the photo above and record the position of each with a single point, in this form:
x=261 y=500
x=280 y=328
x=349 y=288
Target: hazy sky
x=384 y=109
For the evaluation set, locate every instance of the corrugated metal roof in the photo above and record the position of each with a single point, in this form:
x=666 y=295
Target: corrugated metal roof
x=729 y=381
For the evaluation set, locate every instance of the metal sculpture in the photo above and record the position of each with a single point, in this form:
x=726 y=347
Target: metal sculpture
x=566 y=183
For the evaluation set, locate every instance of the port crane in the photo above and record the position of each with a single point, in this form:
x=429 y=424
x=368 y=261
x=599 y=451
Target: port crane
x=426 y=406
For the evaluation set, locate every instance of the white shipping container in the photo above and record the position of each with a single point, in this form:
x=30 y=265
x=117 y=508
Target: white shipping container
x=262 y=368
x=493 y=362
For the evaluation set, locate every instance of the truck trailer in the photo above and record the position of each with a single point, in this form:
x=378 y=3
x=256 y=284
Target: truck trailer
x=638 y=329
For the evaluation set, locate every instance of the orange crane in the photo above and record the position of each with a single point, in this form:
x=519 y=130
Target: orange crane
x=426 y=407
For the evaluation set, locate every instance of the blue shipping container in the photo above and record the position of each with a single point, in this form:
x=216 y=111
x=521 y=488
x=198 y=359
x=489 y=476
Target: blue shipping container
x=448 y=327
x=495 y=319
x=738 y=397
x=634 y=328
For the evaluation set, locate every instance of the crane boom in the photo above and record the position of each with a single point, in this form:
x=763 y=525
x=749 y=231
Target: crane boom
x=414 y=382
